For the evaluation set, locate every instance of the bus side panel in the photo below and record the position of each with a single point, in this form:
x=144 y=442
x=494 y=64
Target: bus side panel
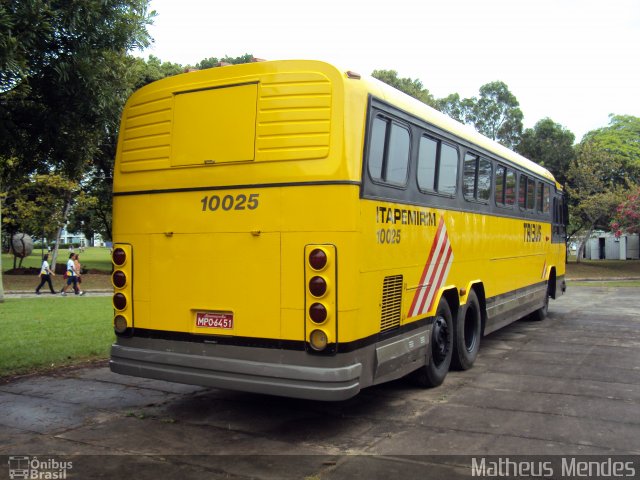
x=510 y=257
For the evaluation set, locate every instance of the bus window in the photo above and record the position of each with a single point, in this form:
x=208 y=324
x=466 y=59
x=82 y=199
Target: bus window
x=510 y=188
x=477 y=178
x=546 y=199
x=501 y=175
x=531 y=191
x=398 y=158
x=448 y=171
x=539 y=197
x=427 y=164
x=376 y=147
x=437 y=166
x=389 y=152
x=484 y=180
x=522 y=192
x=470 y=175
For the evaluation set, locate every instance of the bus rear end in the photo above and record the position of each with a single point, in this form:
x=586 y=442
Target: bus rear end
x=226 y=235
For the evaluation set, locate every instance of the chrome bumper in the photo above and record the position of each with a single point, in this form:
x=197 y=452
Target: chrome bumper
x=291 y=378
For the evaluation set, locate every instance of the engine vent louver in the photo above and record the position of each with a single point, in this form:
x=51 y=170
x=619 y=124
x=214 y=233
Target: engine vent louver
x=391 y=303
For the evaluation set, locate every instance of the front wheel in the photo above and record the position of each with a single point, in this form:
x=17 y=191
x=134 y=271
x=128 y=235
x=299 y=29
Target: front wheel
x=440 y=349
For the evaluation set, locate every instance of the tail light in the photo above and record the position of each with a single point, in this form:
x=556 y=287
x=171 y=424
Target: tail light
x=321 y=292
x=121 y=278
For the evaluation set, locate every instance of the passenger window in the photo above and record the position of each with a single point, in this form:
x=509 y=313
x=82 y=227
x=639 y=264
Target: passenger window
x=522 y=192
x=448 y=171
x=539 y=197
x=437 y=166
x=546 y=199
x=376 y=147
x=389 y=152
x=531 y=191
x=484 y=180
x=470 y=171
x=510 y=188
x=477 y=178
x=398 y=161
x=427 y=164
x=501 y=175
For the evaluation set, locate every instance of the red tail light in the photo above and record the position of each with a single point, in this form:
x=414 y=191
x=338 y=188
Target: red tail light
x=317 y=286
x=318 y=259
x=119 y=257
x=119 y=279
x=318 y=312
x=119 y=301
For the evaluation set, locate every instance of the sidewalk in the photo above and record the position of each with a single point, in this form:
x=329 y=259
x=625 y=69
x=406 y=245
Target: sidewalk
x=32 y=294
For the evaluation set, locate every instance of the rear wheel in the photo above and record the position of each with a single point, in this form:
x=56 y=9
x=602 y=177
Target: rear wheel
x=468 y=331
x=542 y=312
x=440 y=349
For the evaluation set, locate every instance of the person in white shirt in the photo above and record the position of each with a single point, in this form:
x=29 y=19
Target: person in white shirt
x=45 y=275
x=72 y=277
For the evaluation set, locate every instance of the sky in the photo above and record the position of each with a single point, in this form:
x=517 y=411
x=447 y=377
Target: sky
x=574 y=61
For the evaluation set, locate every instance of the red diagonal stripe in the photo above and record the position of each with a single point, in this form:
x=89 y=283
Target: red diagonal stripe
x=426 y=265
x=441 y=279
x=441 y=253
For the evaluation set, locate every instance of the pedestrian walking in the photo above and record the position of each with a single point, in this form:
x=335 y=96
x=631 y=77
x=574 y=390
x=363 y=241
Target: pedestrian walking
x=45 y=275
x=72 y=277
x=78 y=269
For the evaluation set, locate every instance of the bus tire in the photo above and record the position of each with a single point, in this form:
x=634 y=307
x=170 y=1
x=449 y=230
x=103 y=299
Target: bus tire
x=468 y=332
x=542 y=312
x=440 y=349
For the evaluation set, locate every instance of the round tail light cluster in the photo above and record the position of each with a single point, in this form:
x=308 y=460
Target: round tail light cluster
x=321 y=280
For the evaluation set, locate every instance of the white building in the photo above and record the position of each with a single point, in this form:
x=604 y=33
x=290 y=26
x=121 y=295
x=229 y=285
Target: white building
x=605 y=246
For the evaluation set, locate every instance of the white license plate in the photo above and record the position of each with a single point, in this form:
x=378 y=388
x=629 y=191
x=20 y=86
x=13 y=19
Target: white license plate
x=218 y=320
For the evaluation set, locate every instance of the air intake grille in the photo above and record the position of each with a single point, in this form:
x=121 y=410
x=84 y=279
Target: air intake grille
x=391 y=303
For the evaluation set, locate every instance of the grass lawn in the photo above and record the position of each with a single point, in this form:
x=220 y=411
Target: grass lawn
x=48 y=332
x=603 y=269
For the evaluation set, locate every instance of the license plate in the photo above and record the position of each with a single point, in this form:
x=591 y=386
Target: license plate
x=219 y=320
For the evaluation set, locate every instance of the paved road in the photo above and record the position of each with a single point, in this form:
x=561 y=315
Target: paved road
x=569 y=385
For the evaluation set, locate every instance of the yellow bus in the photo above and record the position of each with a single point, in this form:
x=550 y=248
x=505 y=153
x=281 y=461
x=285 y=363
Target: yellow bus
x=294 y=229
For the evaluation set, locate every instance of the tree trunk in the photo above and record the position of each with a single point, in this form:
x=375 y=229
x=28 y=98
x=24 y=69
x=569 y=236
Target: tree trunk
x=1 y=285
x=584 y=243
x=67 y=206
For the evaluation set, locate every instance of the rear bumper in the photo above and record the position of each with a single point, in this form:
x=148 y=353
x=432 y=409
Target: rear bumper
x=284 y=373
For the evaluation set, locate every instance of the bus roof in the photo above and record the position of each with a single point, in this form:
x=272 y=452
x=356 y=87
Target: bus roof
x=438 y=119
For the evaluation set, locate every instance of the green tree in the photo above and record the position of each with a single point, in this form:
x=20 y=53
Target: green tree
x=35 y=207
x=66 y=75
x=409 y=86
x=153 y=69
x=212 y=62
x=496 y=113
x=595 y=190
x=621 y=138
x=550 y=145
x=455 y=107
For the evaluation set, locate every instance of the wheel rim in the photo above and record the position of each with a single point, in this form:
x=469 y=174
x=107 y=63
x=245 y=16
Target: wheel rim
x=440 y=344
